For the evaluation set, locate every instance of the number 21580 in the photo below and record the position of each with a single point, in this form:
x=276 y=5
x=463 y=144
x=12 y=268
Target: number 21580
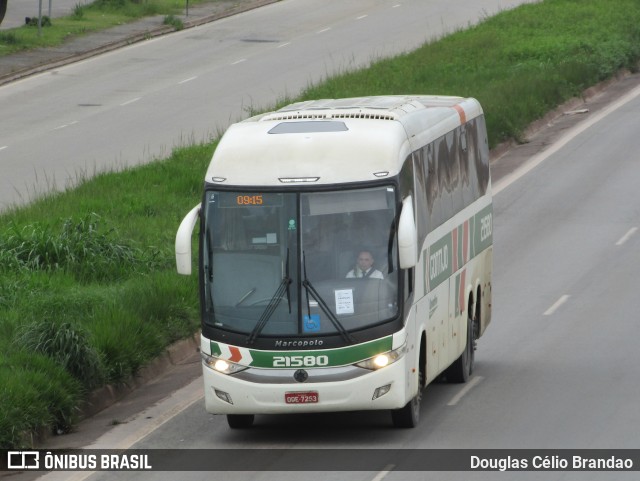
x=300 y=361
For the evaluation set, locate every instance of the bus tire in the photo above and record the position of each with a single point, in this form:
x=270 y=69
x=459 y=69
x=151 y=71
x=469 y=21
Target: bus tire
x=461 y=369
x=409 y=415
x=240 y=421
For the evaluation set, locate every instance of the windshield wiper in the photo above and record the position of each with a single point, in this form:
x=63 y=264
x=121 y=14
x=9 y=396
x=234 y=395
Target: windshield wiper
x=323 y=305
x=273 y=304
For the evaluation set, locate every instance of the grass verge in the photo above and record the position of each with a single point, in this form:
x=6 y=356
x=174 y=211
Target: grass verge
x=88 y=292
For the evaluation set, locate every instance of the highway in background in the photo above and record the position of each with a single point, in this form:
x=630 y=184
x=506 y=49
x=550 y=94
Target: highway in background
x=557 y=369
x=18 y=10
x=137 y=103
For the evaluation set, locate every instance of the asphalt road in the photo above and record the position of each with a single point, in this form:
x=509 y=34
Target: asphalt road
x=137 y=103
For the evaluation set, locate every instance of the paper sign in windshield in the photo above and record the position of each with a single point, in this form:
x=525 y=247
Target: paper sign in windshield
x=344 y=301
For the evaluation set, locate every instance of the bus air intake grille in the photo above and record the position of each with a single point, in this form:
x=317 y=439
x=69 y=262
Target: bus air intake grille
x=296 y=117
x=363 y=116
x=346 y=115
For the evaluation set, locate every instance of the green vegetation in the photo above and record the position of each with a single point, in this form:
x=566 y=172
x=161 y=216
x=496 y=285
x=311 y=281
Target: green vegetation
x=175 y=22
x=519 y=64
x=88 y=291
x=98 y=15
x=90 y=298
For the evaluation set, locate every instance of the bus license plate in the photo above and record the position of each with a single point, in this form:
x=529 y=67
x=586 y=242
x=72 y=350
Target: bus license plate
x=308 y=397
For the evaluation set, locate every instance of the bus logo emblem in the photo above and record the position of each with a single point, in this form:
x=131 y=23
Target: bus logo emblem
x=301 y=375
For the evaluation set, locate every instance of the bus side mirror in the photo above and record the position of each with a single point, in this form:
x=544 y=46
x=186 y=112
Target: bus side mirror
x=183 y=241
x=407 y=235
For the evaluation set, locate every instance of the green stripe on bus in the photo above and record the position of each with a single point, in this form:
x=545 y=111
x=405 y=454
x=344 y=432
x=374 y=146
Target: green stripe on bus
x=438 y=263
x=341 y=356
x=483 y=229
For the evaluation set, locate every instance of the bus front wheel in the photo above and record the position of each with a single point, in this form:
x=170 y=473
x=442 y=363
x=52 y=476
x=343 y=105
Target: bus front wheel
x=240 y=421
x=409 y=415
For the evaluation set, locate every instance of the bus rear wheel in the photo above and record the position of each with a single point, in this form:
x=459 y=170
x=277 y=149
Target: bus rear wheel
x=240 y=421
x=461 y=369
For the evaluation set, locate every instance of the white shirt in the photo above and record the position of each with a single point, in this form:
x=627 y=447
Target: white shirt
x=373 y=273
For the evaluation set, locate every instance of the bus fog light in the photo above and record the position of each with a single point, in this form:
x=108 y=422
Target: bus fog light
x=224 y=396
x=381 y=391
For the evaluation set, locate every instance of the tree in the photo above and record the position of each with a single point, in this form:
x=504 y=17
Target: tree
x=3 y=9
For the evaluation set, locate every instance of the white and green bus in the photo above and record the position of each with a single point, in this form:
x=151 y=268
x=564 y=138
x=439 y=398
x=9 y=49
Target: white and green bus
x=295 y=203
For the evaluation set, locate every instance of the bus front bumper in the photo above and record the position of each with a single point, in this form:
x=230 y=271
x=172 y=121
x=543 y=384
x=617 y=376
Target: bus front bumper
x=385 y=388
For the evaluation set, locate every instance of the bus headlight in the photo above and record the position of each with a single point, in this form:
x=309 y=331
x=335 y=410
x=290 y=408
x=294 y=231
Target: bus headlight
x=381 y=360
x=221 y=365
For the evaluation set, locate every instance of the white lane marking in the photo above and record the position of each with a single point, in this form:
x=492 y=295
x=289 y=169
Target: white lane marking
x=570 y=135
x=396 y=5
x=4 y=147
x=622 y=239
x=130 y=101
x=125 y=435
x=283 y=44
x=465 y=390
x=239 y=61
x=64 y=126
x=187 y=80
x=557 y=304
x=387 y=469
x=361 y=17
x=324 y=30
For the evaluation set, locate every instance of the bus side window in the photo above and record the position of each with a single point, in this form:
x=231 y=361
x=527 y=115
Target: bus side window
x=453 y=166
x=467 y=165
x=420 y=189
x=408 y=282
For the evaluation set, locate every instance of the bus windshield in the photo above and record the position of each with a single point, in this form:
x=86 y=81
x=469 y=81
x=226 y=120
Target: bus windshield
x=300 y=264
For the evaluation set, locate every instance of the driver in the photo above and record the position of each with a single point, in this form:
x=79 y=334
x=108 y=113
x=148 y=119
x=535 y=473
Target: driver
x=364 y=267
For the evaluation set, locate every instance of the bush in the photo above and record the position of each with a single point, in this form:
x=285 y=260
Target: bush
x=36 y=395
x=174 y=22
x=67 y=345
x=78 y=11
x=8 y=38
x=80 y=248
x=33 y=21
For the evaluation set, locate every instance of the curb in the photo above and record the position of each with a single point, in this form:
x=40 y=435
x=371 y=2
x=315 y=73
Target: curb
x=135 y=38
x=539 y=125
x=174 y=355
